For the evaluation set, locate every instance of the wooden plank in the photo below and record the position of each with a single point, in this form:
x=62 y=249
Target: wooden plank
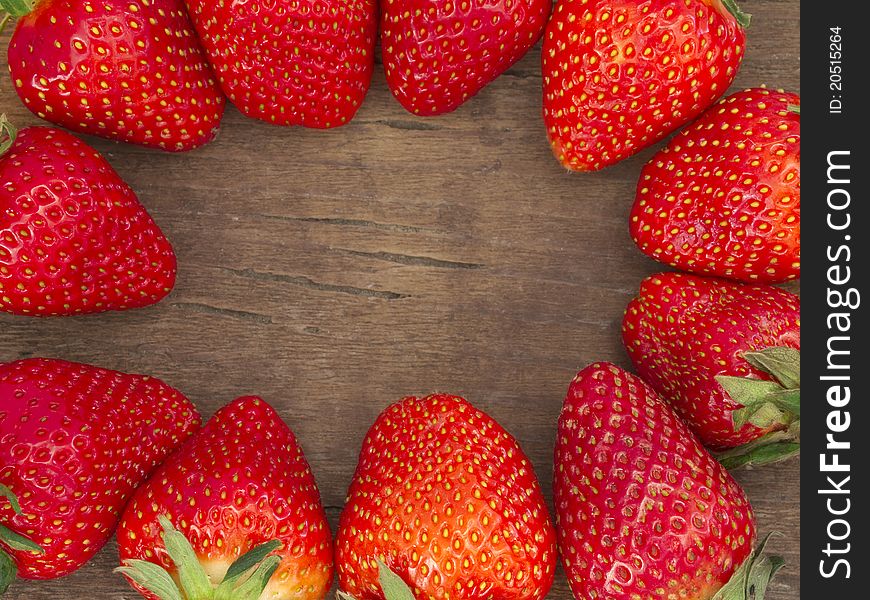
x=334 y=272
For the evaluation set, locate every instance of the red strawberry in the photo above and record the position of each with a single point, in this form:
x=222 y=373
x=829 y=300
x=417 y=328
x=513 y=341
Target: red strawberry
x=75 y=441
x=291 y=63
x=726 y=355
x=620 y=75
x=439 y=54
x=446 y=499
x=724 y=197
x=642 y=510
x=73 y=237
x=128 y=70
x=241 y=481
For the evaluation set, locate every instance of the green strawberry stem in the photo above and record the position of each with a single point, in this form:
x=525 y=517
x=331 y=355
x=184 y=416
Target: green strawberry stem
x=8 y=132
x=393 y=586
x=774 y=406
x=750 y=580
x=742 y=18
x=246 y=579
x=17 y=8
x=15 y=541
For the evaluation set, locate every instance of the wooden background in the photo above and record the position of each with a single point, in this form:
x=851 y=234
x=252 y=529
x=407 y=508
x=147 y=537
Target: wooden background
x=333 y=272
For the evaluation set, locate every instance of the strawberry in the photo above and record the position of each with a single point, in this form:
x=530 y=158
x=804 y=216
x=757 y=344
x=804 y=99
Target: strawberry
x=448 y=501
x=642 y=510
x=620 y=75
x=439 y=54
x=127 y=70
x=73 y=237
x=726 y=356
x=291 y=63
x=723 y=197
x=75 y=441
x=240 y=482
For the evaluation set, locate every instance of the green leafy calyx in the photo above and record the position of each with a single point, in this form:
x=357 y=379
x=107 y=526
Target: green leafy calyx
x=773 y=405
x=750 y=580
x=17 y=8
x=8 y=133
x=393 y=586
x=743 y=19
x=13 y=541
x=246 y=578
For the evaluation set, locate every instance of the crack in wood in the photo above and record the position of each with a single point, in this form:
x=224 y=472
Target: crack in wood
x=405 y=125
x=417 y=261
x=493 y=167
x=352 y=223
x=302 y=281
x=224 y=312
x=522 y=74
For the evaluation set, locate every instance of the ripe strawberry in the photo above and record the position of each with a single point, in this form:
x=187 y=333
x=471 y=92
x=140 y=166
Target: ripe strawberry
x=73 y=237
x=726 y=356
x=446 y=499
x=127 y=70
x=642 y=510
x=723 y=197
x=291 y=63
x=240 y=482
x=620 y=75
x=440 y=54
x=76 y=441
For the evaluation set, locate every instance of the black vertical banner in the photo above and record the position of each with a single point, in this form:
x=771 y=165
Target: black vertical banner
x=835 y=463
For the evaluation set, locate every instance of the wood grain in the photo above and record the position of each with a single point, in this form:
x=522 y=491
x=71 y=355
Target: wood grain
x=333 y=272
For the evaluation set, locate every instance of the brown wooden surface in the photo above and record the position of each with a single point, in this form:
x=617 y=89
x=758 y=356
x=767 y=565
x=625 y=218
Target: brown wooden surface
x=334 y=272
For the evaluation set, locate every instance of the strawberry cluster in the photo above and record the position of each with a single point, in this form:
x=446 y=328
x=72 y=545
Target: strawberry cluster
x=444 y=502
